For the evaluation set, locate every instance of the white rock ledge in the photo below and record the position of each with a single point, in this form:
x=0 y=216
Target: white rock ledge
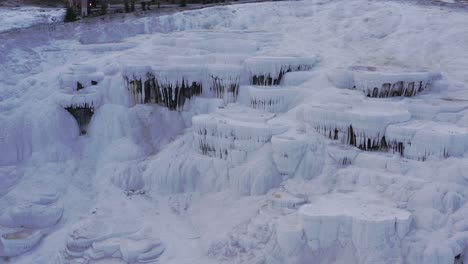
x=370 y=225
x=383 y=82
x=231 y=136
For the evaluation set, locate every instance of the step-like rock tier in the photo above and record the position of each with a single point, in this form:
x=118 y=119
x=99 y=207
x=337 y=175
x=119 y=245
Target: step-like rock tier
x=382 y=83
x=428 y=139
x=101 y=239
x=388 y=127
x=173 y=84
x=372 y=226
x=288 y=150
x=269 y=71
x=80 y=76
x=231 y=135
x=23 y=225
x=275 y=100
x=362 y=126
x=283 y=199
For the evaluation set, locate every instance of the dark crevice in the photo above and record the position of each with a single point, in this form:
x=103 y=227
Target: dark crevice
x=79 y=86
x=82 y=115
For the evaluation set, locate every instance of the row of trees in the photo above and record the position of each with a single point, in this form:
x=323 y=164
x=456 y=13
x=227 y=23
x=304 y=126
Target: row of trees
x=73 y=6
x=130 y=4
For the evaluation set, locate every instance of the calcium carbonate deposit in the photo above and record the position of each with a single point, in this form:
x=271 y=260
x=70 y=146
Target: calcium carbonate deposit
x=296 y=132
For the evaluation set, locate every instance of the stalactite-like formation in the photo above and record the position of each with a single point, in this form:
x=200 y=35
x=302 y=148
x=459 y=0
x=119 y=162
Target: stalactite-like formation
x=401 y=88
x=274 y=100
x=230 y=139
x=395 y=146
x=385 y=82
x=265 y=104
x=220 y=88
x=208 y=148
x=268 y=79
x=82 y=114
x=361 y=140
x=345 y=162
x=213 y=144
x=172 y=96
x=135 y=88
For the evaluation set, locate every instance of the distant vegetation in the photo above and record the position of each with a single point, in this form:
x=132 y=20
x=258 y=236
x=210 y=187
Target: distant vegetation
x=70 y=15
x=62 y=3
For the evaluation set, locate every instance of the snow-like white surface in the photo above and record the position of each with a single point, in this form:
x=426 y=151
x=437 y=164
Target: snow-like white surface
x=220 y=177
x=426 y=139
x=371 y=225
x=20 y=17
x=356 y=206
x=282 y=199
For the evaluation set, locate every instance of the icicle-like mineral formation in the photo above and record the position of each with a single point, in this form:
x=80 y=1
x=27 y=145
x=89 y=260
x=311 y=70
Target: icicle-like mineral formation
x=170 y=95
x=421 y=140
x=82 y=114
x=173 y=85
x=270 y=70
x=80 y=94
x=382 y=83
x=357 y=126
x=225 y=81
x=232 y=137
x=275 y=100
